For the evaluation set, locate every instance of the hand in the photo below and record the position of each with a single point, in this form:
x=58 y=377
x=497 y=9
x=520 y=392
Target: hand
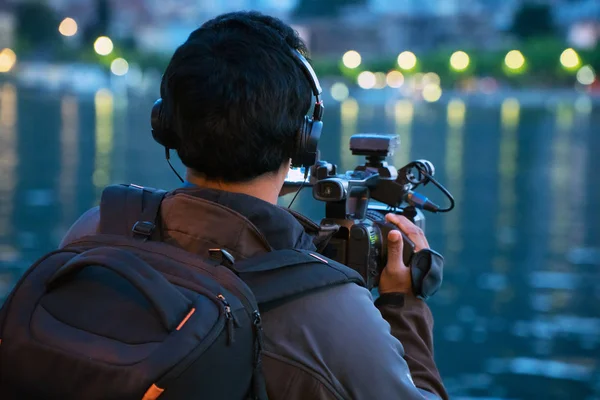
x=395 y=277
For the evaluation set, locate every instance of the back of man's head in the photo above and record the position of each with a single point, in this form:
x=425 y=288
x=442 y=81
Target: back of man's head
x=236 y=96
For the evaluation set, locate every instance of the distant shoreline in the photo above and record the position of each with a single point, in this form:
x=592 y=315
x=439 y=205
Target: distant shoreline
x=119 y=86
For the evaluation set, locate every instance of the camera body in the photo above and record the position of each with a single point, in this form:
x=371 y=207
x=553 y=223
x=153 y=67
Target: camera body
x=356 y=203
x=362 y=244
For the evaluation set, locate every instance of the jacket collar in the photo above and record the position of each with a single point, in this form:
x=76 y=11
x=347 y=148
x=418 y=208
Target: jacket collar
x=198 y=219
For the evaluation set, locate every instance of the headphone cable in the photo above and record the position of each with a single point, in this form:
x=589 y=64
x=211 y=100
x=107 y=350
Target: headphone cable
x=306 y=172
x=168 y=155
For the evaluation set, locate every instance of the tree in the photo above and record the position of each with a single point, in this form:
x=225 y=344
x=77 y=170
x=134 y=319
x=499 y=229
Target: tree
x=324 y=8
x=533 y=20
x=101 y=24
x=36 y=25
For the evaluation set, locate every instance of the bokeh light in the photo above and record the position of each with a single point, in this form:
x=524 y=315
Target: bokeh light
x=395 y=79
x=380 y=80
x=8 y=59
x=366 y=80
x=431 y=77
x=459 y=61
x=407 y=60
x=68 y=27
x=586 y=75
x=103 y=46
x=352 y=59
x=339 y=91
x=570 y=59
x=119 y=66
x=432 y=92
x=514 y=59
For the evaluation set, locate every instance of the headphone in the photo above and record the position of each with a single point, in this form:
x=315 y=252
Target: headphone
x=307 y=138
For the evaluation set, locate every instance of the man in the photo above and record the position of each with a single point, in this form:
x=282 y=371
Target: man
x=238 y=98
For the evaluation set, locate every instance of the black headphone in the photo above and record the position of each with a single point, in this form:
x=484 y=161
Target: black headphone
x=307 y=137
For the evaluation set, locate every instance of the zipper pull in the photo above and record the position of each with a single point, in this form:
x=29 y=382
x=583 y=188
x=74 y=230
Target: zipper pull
x=259 y=330
x=230 y=319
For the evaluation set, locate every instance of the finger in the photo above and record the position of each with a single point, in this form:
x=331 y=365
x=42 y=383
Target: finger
x=395 y=247
x=414 y=233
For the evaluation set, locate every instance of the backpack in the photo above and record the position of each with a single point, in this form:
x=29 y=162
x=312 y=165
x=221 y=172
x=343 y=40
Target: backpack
x=121 y=315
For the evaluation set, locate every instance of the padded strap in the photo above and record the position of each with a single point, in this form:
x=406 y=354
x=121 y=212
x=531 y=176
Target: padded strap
x=122 y=206
x=280 y=276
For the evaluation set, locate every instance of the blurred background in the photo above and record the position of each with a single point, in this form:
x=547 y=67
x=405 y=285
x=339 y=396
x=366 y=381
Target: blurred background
x=501 y=95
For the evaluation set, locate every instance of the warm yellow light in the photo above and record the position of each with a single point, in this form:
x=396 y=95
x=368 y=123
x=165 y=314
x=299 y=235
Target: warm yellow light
x=569 y=59
x=431 y=77
x=8 y=59
x=514 y=59
x=349 y=109
x=103 y=46
x=119 y=66
x=339 y=91
x=459 y=61
x=510 y=111
x=432 y=93
x=366 y=80
x=395 y=79
x=68 y=27
x=586 y=75
x=456 y=113
x=380 y=80
x=404 y=111
x=407 y=60
x=352 y=59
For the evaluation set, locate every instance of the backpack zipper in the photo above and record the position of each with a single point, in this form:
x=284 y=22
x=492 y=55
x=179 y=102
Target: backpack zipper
x=231 y=320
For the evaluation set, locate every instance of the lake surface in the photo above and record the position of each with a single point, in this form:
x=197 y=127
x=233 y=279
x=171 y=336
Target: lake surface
x=518 y=316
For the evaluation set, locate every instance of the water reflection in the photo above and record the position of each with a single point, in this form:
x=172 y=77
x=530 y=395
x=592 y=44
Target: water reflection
x=403 y=116
x=8 y=165
x=103 y=102
x=69 y=158
x=349 y=117
x=454 y=157
x=507 y=171
x=514 y=319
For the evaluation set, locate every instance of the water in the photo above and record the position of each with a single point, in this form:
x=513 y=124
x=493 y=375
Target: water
x=518 y=314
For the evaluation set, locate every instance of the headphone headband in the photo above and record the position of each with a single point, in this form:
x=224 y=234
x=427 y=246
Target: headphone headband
x=309 y=72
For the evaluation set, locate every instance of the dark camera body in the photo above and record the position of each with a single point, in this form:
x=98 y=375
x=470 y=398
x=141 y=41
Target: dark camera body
x=361 y=238
x=362 y=244
x=356 y=203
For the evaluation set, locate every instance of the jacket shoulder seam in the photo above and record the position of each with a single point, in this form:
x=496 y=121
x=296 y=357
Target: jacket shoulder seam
x=308 y=370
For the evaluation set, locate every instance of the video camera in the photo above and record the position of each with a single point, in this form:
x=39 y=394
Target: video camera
x=356 y=203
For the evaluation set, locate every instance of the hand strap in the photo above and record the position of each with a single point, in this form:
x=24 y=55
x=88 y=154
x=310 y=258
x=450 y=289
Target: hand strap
x=427 y=271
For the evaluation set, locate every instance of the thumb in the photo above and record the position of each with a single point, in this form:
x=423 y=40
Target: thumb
x=395 y=247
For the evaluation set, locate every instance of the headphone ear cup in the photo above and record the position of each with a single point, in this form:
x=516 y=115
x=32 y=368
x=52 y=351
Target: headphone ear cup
x=161 y=132
x=297 y=157
x=311 y=144
x=307 y=140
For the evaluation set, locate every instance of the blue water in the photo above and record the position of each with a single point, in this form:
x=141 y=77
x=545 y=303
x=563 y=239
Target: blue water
x=518 y=314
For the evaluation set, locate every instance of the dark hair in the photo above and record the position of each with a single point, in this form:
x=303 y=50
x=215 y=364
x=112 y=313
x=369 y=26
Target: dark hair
x=236 y=96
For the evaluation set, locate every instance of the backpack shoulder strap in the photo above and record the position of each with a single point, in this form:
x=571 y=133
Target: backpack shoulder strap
x=130 y=210
x=283 y=275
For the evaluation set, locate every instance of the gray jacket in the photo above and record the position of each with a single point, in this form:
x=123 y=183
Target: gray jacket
x=331 y=344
